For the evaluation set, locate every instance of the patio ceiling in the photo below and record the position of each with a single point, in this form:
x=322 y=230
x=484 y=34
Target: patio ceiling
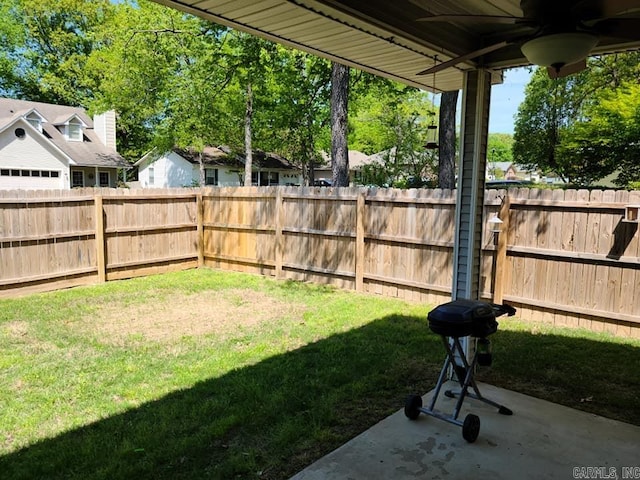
x=384 y=37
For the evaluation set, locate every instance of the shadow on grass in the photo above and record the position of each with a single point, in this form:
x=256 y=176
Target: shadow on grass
x=271 y=419
x=266 y=420
x=600 y=377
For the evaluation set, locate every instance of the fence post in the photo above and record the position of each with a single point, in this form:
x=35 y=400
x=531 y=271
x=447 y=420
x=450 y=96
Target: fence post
x=279 y=239
x=360 y=209
x=100 y=240
x=501 y=252
x=200 y=228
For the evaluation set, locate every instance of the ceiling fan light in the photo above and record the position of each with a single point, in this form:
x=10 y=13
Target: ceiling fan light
x=559 y=49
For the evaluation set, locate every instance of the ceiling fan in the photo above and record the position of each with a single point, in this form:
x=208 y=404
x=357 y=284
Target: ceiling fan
x=556 y=34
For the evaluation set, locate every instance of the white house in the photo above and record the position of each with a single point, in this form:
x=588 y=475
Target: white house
x=45 y=146
x=181 y=168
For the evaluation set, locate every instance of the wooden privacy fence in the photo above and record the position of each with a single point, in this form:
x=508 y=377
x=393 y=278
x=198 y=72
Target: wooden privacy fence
x=565 y=256
x=58 y=239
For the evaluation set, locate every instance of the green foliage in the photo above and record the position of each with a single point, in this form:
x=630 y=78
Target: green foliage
x=392 y=120
x=298 y=122
x=144 y=65
x=549 y=108
x=582 y=127
x=177 y=80
x=609 y=136
x=500 y=147
x=46 y=44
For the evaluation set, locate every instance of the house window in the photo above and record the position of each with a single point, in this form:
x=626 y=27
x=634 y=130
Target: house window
x=35 y=121
x=5 y=172
x=74 y=131
x=265 y=178
x=103 y=179
x=152 y=175
x=77 y=179
x=273 y=178
x=211 y=176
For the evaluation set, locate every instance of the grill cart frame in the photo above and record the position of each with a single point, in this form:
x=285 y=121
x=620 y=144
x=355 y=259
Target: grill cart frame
x=453 y=321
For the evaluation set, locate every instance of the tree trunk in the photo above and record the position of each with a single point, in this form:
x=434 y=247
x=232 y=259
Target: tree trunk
x=447 y=140
x=201 y=165
x=339 y=125
x=248 y=152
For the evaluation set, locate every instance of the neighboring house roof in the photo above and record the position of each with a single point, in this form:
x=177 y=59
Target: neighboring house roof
x=225 y=156
x=91 y=152
x=211 y=156
x=504 y=166
x=357 y=160
x=262 y=159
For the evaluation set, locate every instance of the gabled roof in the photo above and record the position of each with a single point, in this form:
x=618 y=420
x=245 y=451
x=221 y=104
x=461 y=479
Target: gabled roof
x=34 y=111
x=91 y=152
x=271 y=160
x=356 y=160
x=224 y=155
x=67 y=118
x=211 y=156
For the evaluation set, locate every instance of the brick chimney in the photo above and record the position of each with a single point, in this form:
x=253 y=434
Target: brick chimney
x=104 y=125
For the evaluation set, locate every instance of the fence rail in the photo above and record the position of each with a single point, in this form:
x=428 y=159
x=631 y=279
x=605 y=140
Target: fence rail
x=566 y=257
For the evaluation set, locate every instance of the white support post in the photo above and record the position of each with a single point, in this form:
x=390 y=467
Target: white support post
x=470 y=189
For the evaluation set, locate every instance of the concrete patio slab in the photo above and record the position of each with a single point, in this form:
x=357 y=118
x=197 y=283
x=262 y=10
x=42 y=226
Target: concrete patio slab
x=541 y=440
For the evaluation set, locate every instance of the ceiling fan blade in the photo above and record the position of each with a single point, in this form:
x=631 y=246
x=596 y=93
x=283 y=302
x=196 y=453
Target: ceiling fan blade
x=625 y=28
x=595 y=9
x=467 y=56
x=493 y=19
x=567 y=69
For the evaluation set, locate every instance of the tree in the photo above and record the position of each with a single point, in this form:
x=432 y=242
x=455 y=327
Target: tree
x=391 y=120
x=177 y=80
x=299 y=111
x=549 y=108
x=561 y=126
x=46 y=44
x=609 y=137
x=146 y=69
x=447 y=140
x=339 y=125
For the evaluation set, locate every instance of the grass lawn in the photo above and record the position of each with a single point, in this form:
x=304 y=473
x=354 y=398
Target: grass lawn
x=207 y=374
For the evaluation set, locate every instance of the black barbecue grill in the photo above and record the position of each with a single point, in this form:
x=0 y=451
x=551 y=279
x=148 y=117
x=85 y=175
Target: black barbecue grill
x=453 y=321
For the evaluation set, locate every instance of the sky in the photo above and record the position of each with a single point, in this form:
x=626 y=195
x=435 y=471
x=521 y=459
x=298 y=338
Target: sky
x=506 y=98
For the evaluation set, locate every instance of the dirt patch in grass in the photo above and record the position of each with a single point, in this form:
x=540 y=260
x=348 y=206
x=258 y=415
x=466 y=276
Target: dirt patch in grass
x=17 y=329
x=213 y=312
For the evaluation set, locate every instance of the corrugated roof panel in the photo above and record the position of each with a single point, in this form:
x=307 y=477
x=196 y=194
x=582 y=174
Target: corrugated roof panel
x=349 y=41
x=278 y=21
x=315 y=28
x=270 y=16
x=316 y=34
x=238 y=8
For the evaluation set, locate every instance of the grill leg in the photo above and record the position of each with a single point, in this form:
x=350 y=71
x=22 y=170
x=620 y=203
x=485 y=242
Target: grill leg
x=463 y=372
x=469 y=381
